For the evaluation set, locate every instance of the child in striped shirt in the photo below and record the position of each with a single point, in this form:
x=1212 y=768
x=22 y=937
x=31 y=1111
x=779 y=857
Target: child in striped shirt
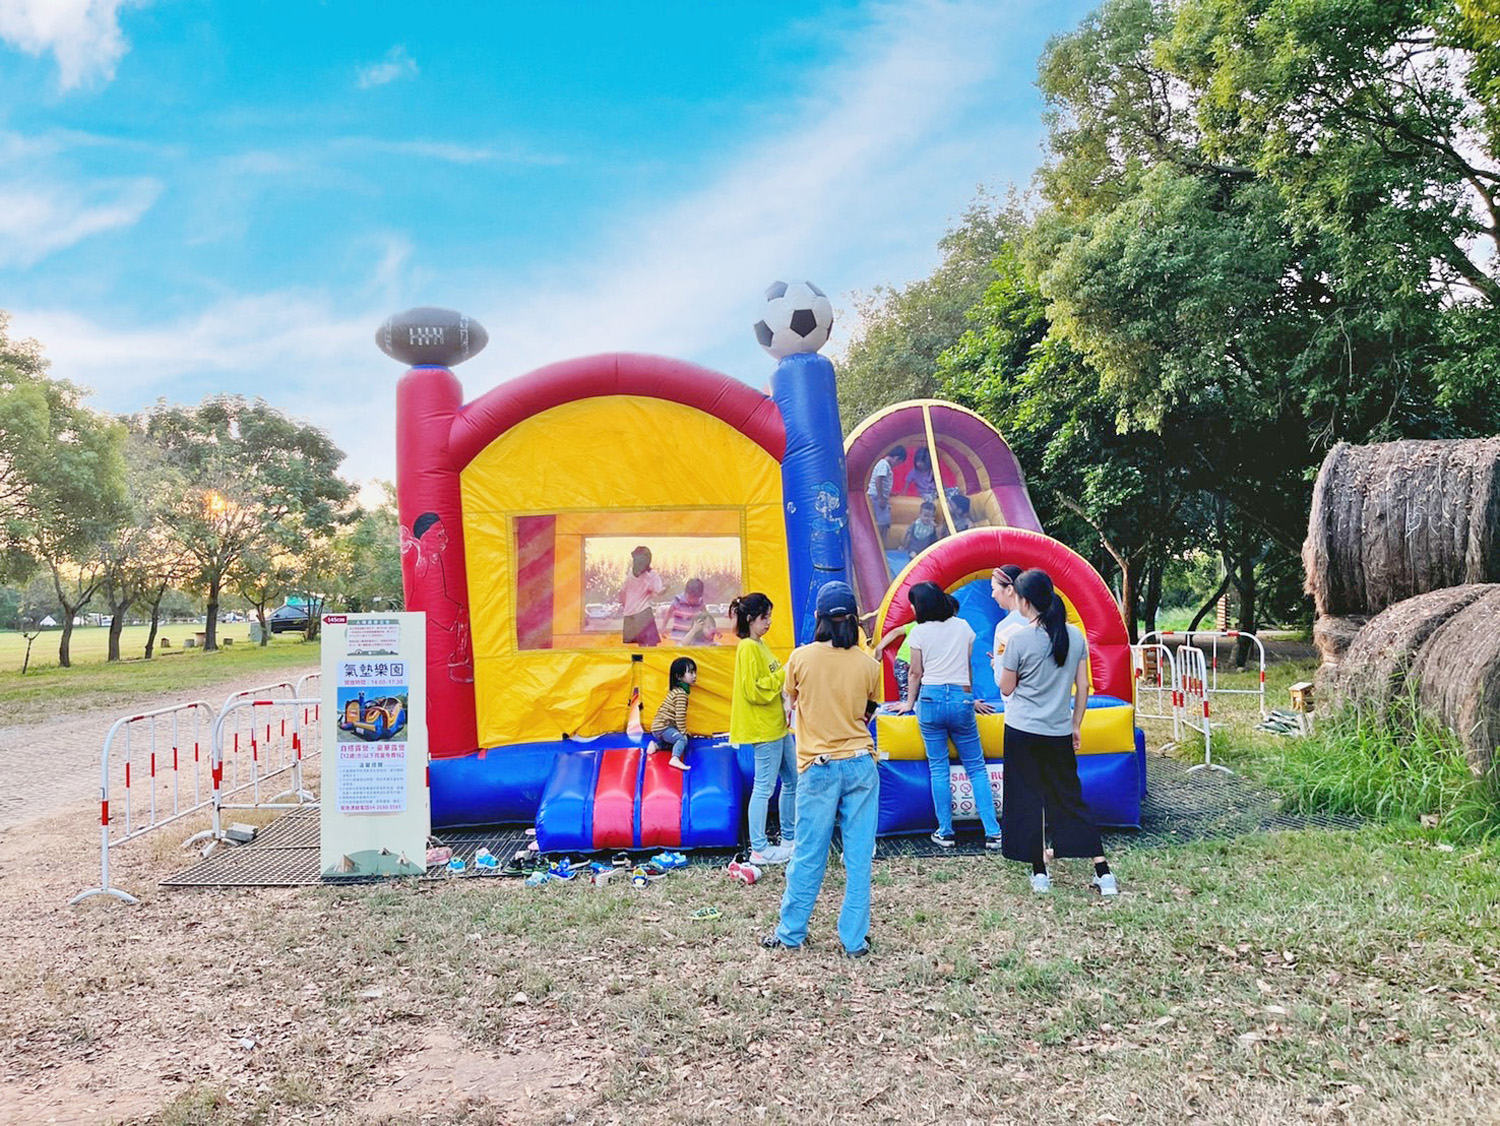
x=669 y=728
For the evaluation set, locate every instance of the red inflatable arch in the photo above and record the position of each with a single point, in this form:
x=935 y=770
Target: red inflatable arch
x=961 y=558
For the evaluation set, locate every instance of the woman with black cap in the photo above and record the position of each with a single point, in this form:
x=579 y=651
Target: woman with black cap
x=834 y=688
x=1046 y=685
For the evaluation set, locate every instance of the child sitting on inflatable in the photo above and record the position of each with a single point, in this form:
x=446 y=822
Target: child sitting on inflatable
x=923 y=532
x=669 y=728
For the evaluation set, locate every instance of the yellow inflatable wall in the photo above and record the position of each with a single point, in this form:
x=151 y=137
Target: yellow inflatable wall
x=613 y=466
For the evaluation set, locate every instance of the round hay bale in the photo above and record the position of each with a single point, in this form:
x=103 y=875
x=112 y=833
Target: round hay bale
x=1398 y=519
x=1376 y=670
x=1457 y=674
x=1332 y=638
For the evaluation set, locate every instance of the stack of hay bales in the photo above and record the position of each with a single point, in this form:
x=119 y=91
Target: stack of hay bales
x=1403 y=563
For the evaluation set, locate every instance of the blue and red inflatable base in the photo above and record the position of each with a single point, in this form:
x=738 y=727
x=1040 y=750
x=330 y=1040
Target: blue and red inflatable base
x=607 y=794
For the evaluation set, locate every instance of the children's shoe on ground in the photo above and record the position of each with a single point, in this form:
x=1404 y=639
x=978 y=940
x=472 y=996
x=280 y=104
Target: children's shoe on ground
x=537 y=879
x=485 y=859
x=668 y=861
x=994 y=844
x=1041 y=883
x=1107 y=884
x=745 y=873
x=942 y=840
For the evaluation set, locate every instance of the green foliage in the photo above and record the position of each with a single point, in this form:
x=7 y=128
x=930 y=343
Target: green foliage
x=1403 y=771
x=255 y=480
x=894 y=355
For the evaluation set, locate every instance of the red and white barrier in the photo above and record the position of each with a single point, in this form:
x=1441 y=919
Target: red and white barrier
x=1192 y=674
x=1159 y=687
x=1193 y=637
x=159 y=741
x=279 y=735
x=162 y=766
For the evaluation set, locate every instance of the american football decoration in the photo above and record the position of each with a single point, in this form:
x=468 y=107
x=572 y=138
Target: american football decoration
x=431 y=337
x=798 y=318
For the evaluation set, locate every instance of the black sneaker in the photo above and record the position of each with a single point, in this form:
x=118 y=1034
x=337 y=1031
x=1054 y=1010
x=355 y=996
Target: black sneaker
x=864 y=951
x=942 y=840
x=771 y=942
x=994 y=844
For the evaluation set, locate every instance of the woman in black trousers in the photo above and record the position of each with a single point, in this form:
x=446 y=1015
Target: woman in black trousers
x=1046 y=685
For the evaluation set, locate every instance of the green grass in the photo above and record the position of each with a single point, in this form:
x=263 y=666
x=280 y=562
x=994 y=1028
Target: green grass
x=90 y=644
x=46 y=688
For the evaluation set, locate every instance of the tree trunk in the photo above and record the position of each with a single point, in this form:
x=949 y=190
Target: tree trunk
x=117 y=612
x=1213 y=600
x=1130 y=582
x=64 y=660
x=211 y=623
x=26 y=660
x=1245 y=587
x=1151 y=602
x=265 y=626
x=155 y=618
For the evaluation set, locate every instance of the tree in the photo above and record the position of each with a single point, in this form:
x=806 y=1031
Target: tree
x=903 y=331
x=1089 y=478
x=1250 y=242
x=248 y=468
x=140 y=558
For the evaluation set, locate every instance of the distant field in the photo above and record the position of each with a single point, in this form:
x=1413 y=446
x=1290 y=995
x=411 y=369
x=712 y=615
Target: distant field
x=91 y=643
x=91 y=682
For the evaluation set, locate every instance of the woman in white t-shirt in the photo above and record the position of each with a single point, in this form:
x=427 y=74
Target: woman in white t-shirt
x=1003 y=591
x=942 y=645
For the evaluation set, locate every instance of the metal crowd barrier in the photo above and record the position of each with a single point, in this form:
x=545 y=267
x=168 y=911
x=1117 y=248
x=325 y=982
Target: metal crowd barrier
x=153 y=751
x=145 y=734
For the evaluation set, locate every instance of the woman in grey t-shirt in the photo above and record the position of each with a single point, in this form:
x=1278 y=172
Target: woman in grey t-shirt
x=1046 y=685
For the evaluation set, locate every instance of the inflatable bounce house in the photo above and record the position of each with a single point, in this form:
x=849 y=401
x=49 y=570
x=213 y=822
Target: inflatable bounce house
x=571 y=532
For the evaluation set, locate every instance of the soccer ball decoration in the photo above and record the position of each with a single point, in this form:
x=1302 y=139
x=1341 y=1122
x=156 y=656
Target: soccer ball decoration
x=798 y=318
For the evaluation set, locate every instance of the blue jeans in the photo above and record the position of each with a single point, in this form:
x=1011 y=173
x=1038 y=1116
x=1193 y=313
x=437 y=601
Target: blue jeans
x=946 y=711
x=778 y=758
x=674 y=740
x=845 y=792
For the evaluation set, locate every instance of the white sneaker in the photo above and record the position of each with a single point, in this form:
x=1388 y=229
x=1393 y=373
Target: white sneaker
x=1106 y=884
x=1041 y=883
x=774 y=854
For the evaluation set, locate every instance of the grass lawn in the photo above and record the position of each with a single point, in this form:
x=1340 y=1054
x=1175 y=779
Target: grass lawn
x=94 y=683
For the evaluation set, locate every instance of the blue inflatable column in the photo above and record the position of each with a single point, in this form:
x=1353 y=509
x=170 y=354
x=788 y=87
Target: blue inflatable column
x=812 y=482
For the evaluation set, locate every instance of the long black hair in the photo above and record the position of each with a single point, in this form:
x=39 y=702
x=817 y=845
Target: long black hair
x=1035 y=586
x=680 y=668
x=746 y=608
x=931 y=603
x=843 y=630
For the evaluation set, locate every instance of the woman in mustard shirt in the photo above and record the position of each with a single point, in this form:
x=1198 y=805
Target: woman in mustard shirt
x=757 y=716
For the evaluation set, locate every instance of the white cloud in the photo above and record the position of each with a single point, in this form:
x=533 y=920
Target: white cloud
x=83 y=35
x=397 y=64
x=38 y=219
x=846 y=189
x=856 y=164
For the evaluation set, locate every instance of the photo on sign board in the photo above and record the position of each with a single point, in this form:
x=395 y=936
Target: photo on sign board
x=369 y=715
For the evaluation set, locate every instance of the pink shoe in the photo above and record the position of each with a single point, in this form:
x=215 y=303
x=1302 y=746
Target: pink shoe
x=746 y=873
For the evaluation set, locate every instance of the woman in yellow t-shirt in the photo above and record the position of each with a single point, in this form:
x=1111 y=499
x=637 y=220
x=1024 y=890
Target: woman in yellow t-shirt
x=757 y=716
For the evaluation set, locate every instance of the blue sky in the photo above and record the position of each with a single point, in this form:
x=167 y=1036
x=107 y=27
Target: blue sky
x=201 y=196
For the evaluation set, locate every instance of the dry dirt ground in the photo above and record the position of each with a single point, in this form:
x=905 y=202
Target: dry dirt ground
x=1289 y=978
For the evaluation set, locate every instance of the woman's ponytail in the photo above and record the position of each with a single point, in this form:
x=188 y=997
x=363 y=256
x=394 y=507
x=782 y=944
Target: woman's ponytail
x=1035 y=586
